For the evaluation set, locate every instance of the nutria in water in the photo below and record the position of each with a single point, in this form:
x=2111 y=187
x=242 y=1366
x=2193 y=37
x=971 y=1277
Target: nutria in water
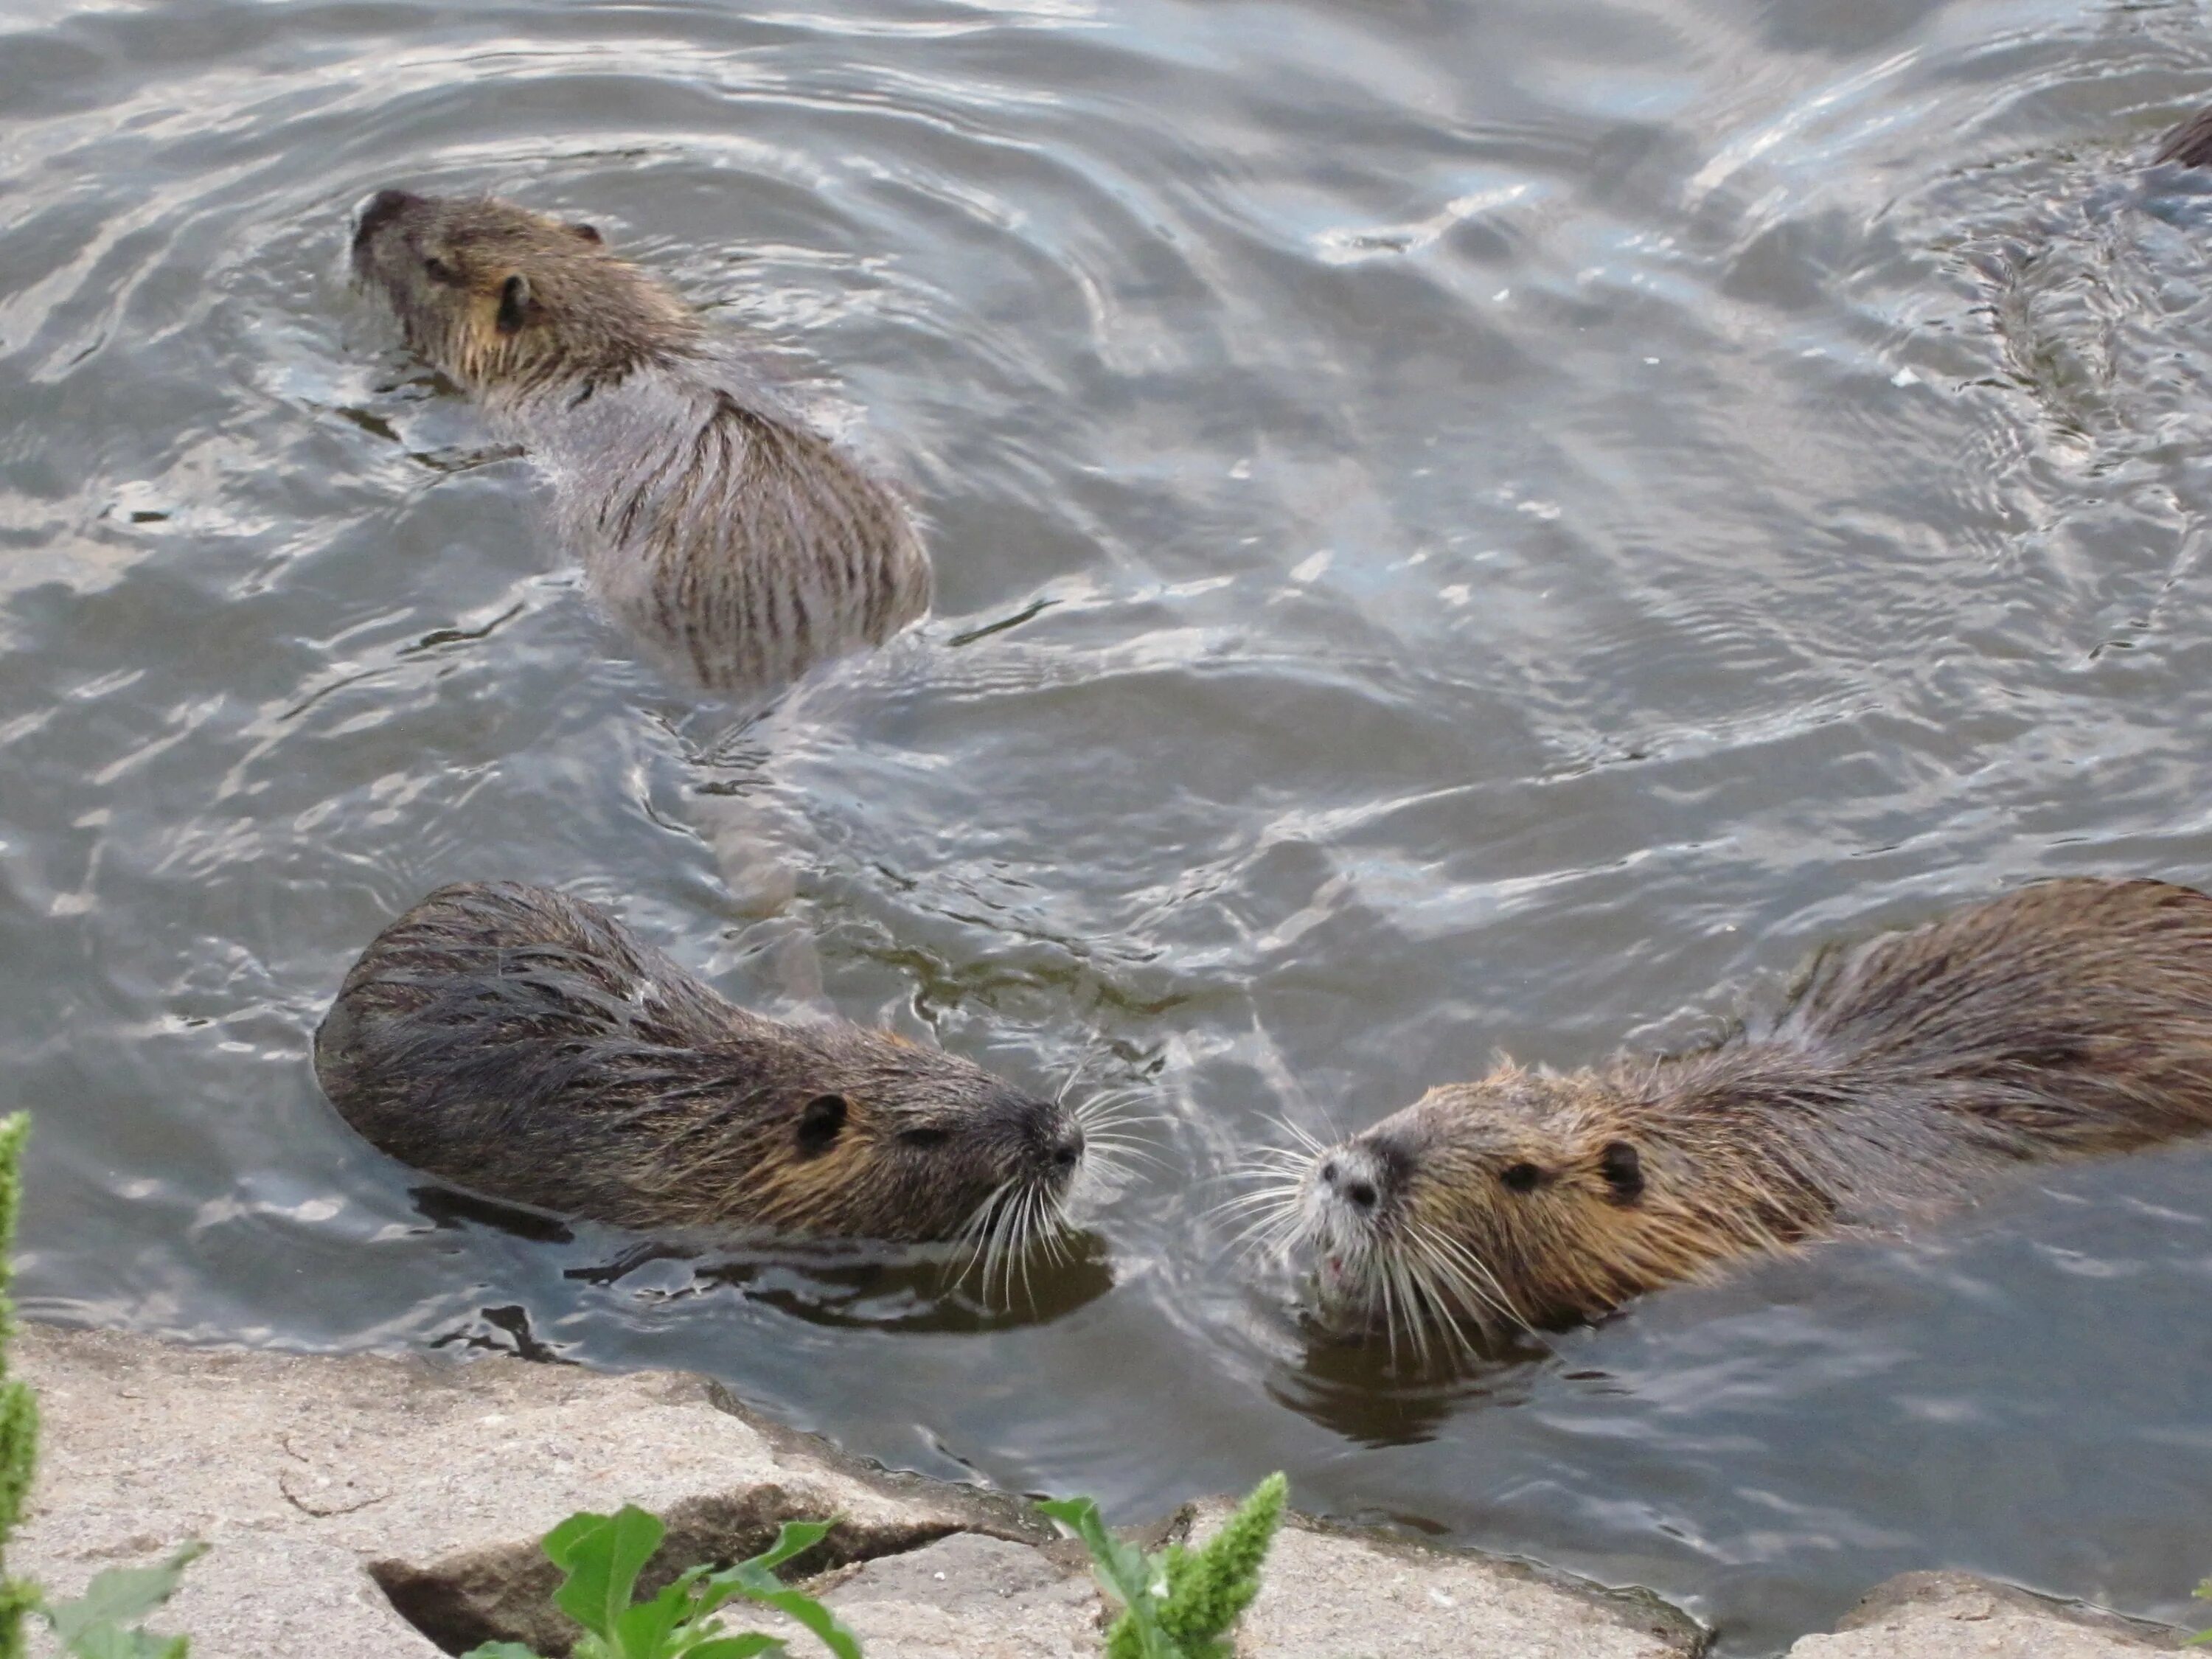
x=522 y=1044
x=736 y=542
x=2070 y=1019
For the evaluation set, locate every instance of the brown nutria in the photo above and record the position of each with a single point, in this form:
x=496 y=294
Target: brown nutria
x=520 y=1043
x=737 y=544
x=2189 y=145
x=2073 y=1017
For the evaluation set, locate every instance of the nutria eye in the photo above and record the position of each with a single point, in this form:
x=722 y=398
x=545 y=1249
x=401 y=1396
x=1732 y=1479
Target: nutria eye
x=1623 y=1171
x=925 y=1137
x=820 y=1122
x=514 y=304
x=439 y=271
x=1520 y=1177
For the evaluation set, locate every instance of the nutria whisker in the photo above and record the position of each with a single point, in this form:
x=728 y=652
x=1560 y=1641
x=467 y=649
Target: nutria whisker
x=1477 y=1285
x=1269 y=1218
x=1455 y=1291
x=2070 y=1019
x=1082 y=1065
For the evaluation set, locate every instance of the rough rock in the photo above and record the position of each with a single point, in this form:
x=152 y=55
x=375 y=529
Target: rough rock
x=342 y=1494
x=969 y=1597
x=1956 y=1615
x=1333 y=1595
x=319 y=1480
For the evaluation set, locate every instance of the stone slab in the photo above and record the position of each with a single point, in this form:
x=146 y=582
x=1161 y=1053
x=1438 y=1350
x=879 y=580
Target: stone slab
x=1329 y=1594
x=1956 y=1615
x=322 y=1483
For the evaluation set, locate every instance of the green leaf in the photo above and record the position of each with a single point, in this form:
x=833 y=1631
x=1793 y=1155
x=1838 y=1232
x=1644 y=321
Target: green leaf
x=1127 y=1575
x=111 y=1642
x=641 y=1631
x=1122 y=1568
x=792 y=1538
x=602 y=1555
x=756 y=1583
x=120 y=1595
x=739 y=1647
x=501 y=1651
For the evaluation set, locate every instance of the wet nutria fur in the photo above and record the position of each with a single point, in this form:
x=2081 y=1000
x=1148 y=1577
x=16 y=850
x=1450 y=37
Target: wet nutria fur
x=737 y=544
x=2068 y=1018
x=2189 y=145
x=522 y=1044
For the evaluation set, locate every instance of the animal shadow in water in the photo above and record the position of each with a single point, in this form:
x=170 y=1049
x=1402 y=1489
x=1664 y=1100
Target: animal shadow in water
x=838 y=1287
x=890 y=1290
x=1356 y=1387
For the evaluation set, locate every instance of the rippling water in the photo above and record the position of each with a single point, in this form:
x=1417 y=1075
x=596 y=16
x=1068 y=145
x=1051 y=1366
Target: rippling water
x=1456 y=526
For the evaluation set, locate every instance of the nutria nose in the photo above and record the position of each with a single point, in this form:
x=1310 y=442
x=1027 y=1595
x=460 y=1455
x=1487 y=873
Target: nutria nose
x=1066 y=1151
x=382 y=208
x=1354 y=1187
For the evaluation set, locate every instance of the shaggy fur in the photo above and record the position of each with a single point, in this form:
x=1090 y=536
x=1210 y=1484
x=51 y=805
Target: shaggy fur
x=739 y=545
x=2189 y=144
x=2070 y=1019
x=522 y=1044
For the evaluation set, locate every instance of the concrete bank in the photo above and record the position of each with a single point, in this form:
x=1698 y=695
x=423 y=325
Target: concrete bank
x=389 y=1509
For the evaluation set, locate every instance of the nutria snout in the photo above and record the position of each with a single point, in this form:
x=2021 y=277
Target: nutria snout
x=2070 y=1019
x=731 y=538
x=523 y=1044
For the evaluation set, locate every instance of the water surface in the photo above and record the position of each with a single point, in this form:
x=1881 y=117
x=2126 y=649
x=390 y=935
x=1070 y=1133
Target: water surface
x=1458 y=527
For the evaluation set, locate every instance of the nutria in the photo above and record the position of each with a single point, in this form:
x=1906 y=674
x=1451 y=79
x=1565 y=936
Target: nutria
x=2070 y=1017
x=522 y=1044
x=2189 y=145
x=737 y=543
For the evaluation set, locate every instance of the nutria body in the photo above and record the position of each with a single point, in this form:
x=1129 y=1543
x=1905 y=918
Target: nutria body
x=737 y=544
x=2068 y=1018
x=522 y=1044
x=2189 y=145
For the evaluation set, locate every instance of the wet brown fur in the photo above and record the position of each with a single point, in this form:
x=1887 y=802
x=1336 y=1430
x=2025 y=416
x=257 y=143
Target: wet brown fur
x=2070 y=1019
x=2189 y=145
x=737 y=544
x=522 y=1044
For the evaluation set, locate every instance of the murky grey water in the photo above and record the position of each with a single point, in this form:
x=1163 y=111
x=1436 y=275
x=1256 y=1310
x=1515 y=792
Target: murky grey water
x=1457 y=526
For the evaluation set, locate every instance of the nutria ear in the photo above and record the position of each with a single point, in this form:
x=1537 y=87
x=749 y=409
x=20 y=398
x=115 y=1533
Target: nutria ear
x=1623 y=1171
x=820 y=1121
x=513 y=303
x=589 y=233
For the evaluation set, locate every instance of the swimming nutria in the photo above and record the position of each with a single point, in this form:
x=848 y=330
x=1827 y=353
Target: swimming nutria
x=521 y=1043
x=724 y=533
x=2189 y=145
x=2073 y=1017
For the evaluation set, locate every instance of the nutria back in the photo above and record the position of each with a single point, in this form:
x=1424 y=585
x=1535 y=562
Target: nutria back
x=736 y=542
x=2189 y=145
x=2070 y=1019
x=521 y=1043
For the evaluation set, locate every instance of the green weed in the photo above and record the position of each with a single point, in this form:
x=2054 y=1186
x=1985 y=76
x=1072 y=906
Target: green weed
x=1179 y=1603
x=102 y=1623
x=602 y=1556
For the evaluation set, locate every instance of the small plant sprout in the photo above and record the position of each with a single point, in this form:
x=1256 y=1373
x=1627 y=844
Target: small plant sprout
x=103 y=1622
x=602 y=1556
x=1179 y=1603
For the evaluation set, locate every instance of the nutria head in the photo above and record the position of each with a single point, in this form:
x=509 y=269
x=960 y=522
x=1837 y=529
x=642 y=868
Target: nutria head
x=1522 y=1200
x=836 y=1131
x=503 y=299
